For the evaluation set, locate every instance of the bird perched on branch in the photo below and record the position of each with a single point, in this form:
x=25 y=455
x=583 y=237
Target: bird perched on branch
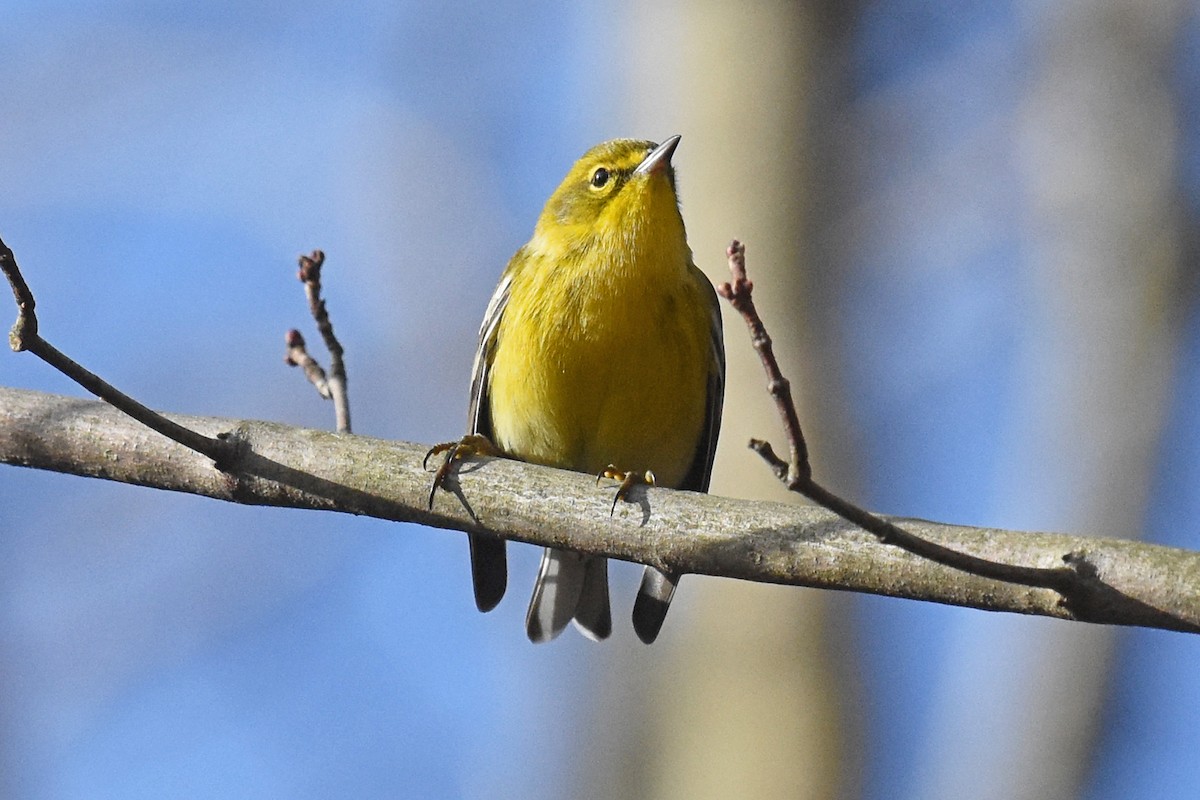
x=600 y=351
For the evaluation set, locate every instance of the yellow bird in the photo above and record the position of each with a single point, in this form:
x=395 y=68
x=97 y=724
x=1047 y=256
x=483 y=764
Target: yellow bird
x=601 y=350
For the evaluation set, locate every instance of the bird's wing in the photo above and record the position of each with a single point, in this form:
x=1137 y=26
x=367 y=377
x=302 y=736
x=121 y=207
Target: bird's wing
x=489 y=561
x=700 y=473
x=479 y=410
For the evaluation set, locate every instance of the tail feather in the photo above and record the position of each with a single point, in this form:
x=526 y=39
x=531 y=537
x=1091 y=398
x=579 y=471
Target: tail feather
x=556 y=594
x=569 y=586
x=489 y=570
x=592 y=614
x=653 y=602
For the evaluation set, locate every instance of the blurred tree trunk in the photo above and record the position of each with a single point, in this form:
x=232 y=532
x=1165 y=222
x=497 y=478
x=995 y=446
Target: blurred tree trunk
x=1012 y=708
x=747 y=695
x=1097 y=148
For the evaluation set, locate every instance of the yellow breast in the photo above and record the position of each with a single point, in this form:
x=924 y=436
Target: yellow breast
x=602 y=356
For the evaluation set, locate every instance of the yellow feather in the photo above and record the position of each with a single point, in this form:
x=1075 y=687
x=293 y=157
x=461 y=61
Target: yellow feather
x=601 y=345
x=603 y=351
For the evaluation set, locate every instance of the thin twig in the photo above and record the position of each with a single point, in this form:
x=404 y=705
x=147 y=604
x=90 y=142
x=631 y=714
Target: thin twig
x=310 y=276
x=739 y=293
x=25 y=337
x=297 y=356
x=796 y=473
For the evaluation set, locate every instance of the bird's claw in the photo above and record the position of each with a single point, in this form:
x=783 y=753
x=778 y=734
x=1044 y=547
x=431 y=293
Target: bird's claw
x=473 y=444
x=628 y=481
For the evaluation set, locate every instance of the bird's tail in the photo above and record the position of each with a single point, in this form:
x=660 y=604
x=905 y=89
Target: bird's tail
x=489 y=569
x=653 y=601
x=569 y=586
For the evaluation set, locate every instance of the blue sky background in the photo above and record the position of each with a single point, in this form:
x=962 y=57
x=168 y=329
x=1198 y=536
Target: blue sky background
x=162 y=164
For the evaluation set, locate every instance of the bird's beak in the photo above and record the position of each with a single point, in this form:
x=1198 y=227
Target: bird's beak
x=659 y=158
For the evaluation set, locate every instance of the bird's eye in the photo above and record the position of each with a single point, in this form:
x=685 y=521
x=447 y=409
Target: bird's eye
x=599 y=177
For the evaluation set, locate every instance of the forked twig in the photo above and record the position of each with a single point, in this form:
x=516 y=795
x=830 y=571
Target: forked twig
x=796 y=473
x=334 y=386
x=24 y=336
x=297 y=356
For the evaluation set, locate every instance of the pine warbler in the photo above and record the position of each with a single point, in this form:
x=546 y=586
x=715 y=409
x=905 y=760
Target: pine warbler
x=601 y=346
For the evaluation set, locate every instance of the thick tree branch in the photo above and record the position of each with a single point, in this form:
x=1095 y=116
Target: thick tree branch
x=1127 y=583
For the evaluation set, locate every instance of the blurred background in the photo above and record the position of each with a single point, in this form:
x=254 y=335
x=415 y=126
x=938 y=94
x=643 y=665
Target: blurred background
x=972 y=227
